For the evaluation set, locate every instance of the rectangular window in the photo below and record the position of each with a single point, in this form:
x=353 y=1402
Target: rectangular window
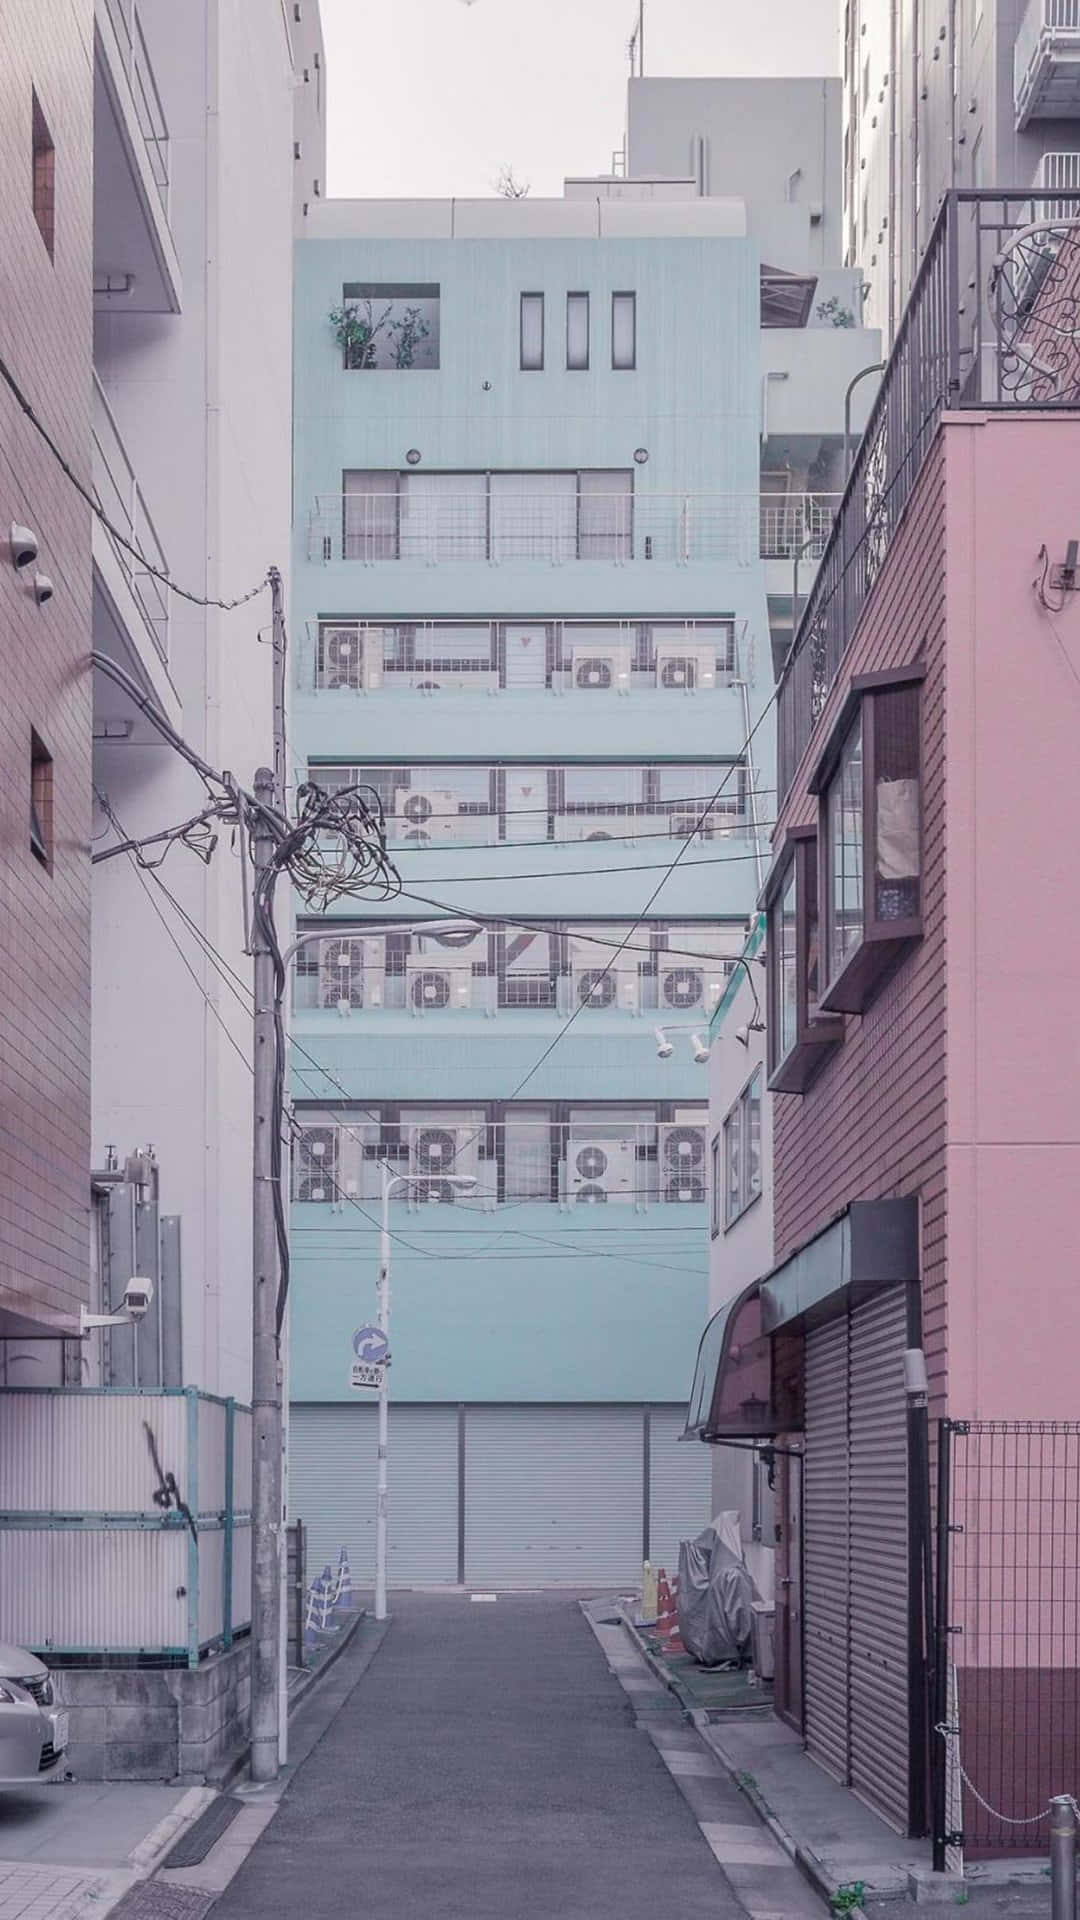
x=388 y=328
x=624 y=330
x=716 y=1173
x=577 y=332
x=799 y=1033
x=532 y=333
x=869 y=783
x=742 y=1150
x=41 y=801
x=43 y=176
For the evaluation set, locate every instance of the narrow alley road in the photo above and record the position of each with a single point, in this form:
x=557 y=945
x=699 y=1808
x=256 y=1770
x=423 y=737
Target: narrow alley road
x=487 y=1764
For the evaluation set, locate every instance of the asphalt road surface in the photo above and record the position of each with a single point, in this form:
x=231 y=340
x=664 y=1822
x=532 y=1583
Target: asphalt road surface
x=486 y=1764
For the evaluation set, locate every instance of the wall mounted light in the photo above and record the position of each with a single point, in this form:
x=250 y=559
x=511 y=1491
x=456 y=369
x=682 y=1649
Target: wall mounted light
x=641 y=454
x=413 y=456
x=699 y=1045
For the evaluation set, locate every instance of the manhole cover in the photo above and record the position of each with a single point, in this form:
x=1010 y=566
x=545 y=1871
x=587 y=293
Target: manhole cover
x=153 y=1900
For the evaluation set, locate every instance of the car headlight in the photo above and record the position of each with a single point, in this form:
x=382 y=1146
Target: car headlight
x=7 y=1697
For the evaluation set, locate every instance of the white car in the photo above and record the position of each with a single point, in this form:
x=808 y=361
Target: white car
x=33 y=1735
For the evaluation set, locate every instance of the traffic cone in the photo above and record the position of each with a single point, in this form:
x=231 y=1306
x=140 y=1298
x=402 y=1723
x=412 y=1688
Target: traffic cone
x=343 y=1598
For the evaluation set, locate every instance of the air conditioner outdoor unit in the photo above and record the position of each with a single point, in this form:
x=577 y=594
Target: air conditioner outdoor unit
x=431 y=988
x=694 y=823
x=600 y=669
x=426 y=815
x=618 y=989
x=686 y=669
x=342 y=972
x=434 y=1153
x=601 y=1170
x=591 y=826
x=682 y=1163
x=452 y=681
x=681 y=985
x=316 y=1164
x=350 y=657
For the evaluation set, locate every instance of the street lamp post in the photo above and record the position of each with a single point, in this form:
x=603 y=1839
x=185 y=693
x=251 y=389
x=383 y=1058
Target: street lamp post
x=391 y=1180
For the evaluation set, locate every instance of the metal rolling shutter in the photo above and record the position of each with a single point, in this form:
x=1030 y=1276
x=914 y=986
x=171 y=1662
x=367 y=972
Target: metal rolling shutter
x=879 y=1556
x=680 y=1476
x=332 y=1489
x=826 y=1548
x=553 y=1496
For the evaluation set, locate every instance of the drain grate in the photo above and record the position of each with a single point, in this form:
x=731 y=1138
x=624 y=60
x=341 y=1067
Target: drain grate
x=152 y=1900
x=194 y=1845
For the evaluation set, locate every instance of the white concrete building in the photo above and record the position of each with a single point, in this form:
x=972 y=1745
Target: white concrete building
x=209 y=133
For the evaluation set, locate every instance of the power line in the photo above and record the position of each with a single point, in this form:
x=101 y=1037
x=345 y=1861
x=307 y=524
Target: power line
x=158 y=573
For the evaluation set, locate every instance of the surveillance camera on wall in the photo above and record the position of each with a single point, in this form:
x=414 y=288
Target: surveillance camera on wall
x=664 y=1047
x=43 y=588
x=24 y=545
x=138 y=1294
x=701 y=1048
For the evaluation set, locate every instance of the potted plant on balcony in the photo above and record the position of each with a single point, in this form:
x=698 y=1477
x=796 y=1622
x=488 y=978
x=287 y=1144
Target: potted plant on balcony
x=408 y=332
x=356 y=330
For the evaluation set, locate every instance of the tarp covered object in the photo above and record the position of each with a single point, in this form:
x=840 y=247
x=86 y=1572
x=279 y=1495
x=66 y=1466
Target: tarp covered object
x=715 y=1592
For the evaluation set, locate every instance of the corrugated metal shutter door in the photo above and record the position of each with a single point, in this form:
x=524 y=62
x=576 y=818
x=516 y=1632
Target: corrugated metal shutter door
x=879 y=1556
x=332 y=1489
x=553 y=1496
x=826 y=1548
x=680 y=1477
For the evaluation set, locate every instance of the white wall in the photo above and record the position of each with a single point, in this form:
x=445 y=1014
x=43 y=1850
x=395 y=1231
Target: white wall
x=744 y=1251
x=203 y=403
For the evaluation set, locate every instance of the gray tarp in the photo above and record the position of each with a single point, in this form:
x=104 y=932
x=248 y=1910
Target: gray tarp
x=715 y=1593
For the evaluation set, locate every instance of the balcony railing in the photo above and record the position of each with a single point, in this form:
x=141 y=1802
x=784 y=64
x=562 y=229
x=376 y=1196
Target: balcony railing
x=796 y=524
x=367 y=976
x=993 y=321
x=435 y=658
x=1046 y=61
x=613 y=528
x=120 y=498
x=149 y=111
x=573 y=1164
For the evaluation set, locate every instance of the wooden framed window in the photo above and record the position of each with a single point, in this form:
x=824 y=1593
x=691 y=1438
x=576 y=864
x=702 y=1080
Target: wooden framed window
x=800 y=1034
x=532 y=333
x=43 y=176
x=869 y=787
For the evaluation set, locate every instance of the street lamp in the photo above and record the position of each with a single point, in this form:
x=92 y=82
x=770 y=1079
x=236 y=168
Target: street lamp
x=390 y=1180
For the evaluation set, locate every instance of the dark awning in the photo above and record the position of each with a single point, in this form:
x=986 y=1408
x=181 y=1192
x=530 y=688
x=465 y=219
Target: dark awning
x=874 y=1244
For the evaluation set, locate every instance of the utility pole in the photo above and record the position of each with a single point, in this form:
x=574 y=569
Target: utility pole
x=266 y=1379
x=277 y=603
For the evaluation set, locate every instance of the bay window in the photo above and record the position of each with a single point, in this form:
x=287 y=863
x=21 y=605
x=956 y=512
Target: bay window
x=869 y=785
x=800 y=1034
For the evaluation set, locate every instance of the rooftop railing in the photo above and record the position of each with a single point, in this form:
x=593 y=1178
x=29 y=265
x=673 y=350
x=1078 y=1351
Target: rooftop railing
x=148 y=108
x=611 y=528
x=992 y=322
x=120 y=498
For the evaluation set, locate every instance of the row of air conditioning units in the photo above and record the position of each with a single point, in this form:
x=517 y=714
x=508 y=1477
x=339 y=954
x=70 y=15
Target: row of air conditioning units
x=351 y=659
x=431 y=816
x=597 y=1170
x=350 y=977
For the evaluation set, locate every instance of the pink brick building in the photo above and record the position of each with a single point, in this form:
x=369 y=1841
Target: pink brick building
x=46 y=136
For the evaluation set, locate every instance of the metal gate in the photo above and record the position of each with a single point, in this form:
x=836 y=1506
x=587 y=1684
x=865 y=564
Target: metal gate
x=826 y=1548
x=553 y=1495
x=879 y=1602
x=1007 y=1632
x=856 y=1593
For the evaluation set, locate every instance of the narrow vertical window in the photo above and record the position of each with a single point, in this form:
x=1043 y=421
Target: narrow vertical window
x=44 y=177
x=41 y=801
x=532 y=332
x=577 y=332
x=624 y=330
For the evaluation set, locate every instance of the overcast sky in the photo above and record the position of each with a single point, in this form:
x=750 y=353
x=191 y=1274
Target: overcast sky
x=433 y=96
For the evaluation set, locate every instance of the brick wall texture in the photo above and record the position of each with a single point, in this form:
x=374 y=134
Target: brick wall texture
x=872 y=1125
x=46 y=46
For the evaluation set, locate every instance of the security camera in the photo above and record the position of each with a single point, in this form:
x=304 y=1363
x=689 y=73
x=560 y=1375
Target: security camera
x=24 y=545
x=742 y=1035
x=137 y=1297
x=664 y=1047
x=700 y=1047
x=43 y=588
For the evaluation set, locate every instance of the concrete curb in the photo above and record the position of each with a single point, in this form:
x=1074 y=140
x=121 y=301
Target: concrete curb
x=160 y=1838
x=229 y=1770
x=808 y=1864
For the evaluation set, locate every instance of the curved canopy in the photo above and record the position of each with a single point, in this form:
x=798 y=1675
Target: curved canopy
x=732 y=1396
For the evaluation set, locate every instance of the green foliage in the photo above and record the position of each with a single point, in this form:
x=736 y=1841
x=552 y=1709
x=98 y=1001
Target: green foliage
x=836 y=314
x=848 y=1897
x=357 y=328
